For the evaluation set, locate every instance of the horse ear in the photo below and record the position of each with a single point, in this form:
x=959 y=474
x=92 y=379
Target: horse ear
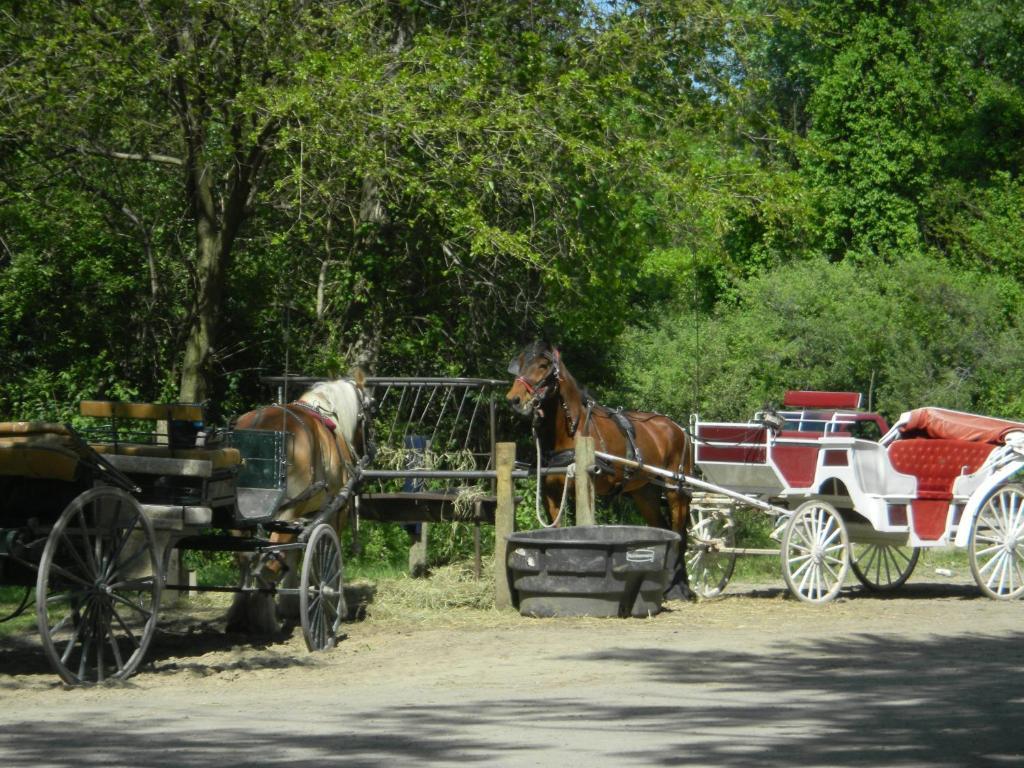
x=358 y=376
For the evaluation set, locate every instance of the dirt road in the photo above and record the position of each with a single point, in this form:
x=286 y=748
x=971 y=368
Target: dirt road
x=934 y=677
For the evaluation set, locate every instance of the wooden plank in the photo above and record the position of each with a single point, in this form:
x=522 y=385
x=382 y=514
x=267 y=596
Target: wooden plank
x=423 y=507
x=152 y=465
x=152 y=411
x=585 y=514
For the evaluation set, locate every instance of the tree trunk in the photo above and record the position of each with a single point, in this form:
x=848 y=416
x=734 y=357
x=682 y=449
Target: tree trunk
x=196 y=367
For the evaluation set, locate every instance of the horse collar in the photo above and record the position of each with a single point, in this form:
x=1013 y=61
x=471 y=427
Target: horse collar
x=320 y=415
x=570 y=423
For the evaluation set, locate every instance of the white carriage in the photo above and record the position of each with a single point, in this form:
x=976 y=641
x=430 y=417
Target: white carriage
x=848 y=496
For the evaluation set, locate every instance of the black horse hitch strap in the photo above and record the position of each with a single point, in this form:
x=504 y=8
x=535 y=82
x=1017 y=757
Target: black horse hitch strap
x=624 y=424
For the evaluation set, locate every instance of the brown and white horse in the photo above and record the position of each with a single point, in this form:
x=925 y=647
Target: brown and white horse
x=545 y=390
x=327 y=428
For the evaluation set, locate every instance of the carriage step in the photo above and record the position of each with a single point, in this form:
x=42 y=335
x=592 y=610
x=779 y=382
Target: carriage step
x=281 y=526
x=221 y=544
x=708 y=500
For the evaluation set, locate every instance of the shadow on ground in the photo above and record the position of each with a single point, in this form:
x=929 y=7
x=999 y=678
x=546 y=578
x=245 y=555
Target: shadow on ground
x=183 y=637
x=863 y=700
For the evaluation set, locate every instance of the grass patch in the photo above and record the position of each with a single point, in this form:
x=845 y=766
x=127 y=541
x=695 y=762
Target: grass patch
x=955 y=560
x=358 y=571
x=757 y=569
x=449 y=590
x=10 y=599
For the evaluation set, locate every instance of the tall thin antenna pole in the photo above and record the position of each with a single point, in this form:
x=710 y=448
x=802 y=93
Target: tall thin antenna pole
x=287 y=348
x=697 y=355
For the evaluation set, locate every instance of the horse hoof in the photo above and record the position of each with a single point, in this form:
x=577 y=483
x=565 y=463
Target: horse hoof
x=680 y=592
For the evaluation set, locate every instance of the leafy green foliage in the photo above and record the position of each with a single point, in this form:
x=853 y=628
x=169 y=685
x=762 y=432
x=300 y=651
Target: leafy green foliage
x=908 y=335
x=704 y=202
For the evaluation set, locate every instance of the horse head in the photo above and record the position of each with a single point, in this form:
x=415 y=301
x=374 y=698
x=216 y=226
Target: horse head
x=537 y=369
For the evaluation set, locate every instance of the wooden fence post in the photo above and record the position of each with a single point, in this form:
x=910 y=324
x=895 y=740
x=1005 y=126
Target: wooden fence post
x=584 y=482
x=504 y=522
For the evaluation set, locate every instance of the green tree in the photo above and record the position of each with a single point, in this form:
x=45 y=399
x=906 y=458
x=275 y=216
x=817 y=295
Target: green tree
x=912 y=334
x=416 y=185
x=164 y=112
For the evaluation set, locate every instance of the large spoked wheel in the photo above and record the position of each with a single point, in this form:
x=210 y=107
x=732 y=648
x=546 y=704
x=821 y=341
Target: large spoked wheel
x=996 y=546
x=883 y=567
x=98 y=588
x=321 y=593
x=815 y=552
x=708 y=567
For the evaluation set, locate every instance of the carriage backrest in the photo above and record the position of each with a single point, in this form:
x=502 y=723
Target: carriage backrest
x=175 y=424
x=821 y=400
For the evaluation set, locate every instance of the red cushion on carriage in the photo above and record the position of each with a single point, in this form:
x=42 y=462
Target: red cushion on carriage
x=936 y=464
x=943 y=424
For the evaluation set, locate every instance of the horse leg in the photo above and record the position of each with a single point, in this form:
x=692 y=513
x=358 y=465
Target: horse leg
x=253 y=612
x=679 y=511
x=288 y=605
x=647 y=499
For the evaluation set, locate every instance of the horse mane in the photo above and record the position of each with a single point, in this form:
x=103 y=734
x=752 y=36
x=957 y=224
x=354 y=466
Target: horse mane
x=340 y=399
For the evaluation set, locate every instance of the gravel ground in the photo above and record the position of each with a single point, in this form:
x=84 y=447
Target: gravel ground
x=931 y=677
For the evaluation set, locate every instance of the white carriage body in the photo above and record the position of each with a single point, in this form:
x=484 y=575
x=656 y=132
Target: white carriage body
x=920 y=484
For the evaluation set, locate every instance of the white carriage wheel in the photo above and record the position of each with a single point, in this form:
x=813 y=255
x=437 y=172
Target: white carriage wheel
x=709 y=569
x=98 y=588
x=883 y=567
x=996 y=545
x=815 y=552
x=321 y=592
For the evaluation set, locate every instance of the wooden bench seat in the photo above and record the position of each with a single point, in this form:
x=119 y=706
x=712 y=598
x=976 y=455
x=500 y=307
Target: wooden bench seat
x=38 y=449
x=148 y=454
x=219 y=458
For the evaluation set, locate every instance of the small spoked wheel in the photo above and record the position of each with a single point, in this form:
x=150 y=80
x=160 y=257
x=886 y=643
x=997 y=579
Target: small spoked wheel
x=883 y=567
x=321 y=592
x=815 y=552
x=708 y=567
x=98 y=588
x=996 y=546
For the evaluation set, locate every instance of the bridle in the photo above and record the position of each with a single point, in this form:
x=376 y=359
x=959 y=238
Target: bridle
x=545 y=388
x=540 y=390
x=367 y=410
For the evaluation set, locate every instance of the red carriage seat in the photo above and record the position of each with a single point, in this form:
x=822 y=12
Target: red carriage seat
x=936 y=464
x=937 y=446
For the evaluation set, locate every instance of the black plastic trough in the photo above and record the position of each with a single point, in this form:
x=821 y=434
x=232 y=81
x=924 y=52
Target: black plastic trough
x=591 y=570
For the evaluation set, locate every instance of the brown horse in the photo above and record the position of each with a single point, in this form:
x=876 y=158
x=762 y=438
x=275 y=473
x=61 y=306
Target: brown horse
x=545 y=390
x=327 y=427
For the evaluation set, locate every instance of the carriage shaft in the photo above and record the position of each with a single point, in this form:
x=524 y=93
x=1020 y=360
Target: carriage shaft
x=683 y=479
